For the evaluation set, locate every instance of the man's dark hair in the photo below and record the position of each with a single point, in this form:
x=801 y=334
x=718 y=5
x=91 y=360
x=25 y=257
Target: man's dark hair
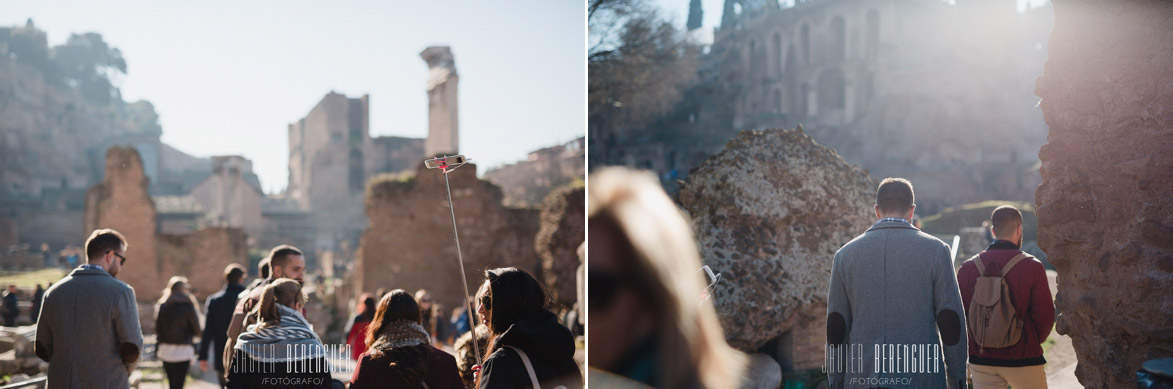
x=101 y=241
x=234 y=273
x=263 y=268
x=895 y=195
x=279 y=256
x=1005 y=219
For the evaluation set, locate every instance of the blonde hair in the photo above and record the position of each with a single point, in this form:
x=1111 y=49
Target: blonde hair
x=692 y=350
x=284 y=291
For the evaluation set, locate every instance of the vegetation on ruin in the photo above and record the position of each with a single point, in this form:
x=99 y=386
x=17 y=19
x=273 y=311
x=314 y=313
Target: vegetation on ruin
x=804 y=379
x=387 y=184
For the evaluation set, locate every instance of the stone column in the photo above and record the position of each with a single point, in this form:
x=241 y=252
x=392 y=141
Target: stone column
x=443 y=124
x=849 y=92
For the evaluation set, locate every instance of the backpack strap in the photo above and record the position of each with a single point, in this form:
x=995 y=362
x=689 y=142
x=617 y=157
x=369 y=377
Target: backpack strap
x=529 y=368
x=1014 y=261
x=977 y=261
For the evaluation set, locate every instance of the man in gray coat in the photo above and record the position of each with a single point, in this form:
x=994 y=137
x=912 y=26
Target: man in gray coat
x=88 y=330
x=893 y=289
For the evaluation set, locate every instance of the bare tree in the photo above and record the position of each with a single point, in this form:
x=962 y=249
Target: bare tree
x=639 y=64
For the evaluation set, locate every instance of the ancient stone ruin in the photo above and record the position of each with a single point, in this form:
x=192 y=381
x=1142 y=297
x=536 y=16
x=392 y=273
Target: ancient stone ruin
x=409 y=243
x=443 y=123
x=918 y=89
x=121 y=202
x=770 y=211
x=1105 y=206
x=563 y=218
x=526 y=183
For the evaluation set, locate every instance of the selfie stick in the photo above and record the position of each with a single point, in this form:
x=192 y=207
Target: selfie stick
x=442 y=163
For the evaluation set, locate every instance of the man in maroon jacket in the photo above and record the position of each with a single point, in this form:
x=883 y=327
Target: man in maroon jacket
x=1019 y=365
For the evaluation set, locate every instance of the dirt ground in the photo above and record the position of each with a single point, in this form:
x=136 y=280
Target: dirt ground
x=1061 y=356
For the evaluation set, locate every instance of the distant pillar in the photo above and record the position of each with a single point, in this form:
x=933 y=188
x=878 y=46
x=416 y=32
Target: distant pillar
x=443 y=124
x=812 y=102
x=848 y=100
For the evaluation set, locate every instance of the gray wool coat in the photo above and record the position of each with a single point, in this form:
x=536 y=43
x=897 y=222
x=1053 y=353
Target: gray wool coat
x=894 y=314
x=84 y=320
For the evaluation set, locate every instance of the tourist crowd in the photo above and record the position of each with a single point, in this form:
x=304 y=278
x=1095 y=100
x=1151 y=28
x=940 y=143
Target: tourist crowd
x=258 y=335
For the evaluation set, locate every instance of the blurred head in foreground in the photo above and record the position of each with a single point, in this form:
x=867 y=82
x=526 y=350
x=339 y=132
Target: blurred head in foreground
x=647 y=321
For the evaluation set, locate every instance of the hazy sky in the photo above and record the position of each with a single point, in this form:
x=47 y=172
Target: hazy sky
x=227 y=78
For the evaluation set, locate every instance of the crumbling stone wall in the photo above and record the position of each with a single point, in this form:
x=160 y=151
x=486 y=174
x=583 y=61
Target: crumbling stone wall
x=770 y=211
x=201 y=257
x=327 y=167
x=121 y=202
x=409 y=241
x=563 y=228
x=1105 y=206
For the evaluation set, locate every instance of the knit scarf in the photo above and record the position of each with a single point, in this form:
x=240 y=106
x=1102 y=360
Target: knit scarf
x=400 y=333
x=291 y=339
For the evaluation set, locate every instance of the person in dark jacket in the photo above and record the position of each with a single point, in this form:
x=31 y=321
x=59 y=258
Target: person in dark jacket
x=1019 y=365
x=399 y=350
x=281 y=350
x=11 y=309
x=177 y=322
x=219 y=310
x=38 y=294
x=357 y=328
x=522 y=330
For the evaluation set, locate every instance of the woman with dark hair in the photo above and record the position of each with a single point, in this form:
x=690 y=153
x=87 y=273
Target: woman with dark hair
x=528 y=348
x=281 y=350
x=357 y=329
x=177 y=322
x=399 y=350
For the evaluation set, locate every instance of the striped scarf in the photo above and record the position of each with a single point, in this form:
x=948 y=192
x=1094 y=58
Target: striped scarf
x=291 y=339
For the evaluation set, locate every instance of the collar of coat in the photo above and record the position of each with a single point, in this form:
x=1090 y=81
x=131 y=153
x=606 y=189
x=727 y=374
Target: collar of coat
x=89 y=271
x=889 y=224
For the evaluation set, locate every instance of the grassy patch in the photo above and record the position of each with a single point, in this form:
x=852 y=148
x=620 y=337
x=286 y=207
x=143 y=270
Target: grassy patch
x=1051 y=341
x=32 y=278
x=803 y=379
x=952 y=219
